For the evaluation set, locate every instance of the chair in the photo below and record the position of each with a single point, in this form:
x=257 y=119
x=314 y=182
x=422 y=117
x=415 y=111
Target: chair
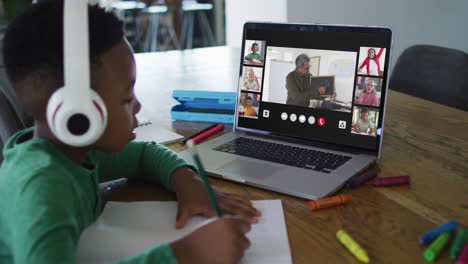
x=10 y=120
x=434 y=73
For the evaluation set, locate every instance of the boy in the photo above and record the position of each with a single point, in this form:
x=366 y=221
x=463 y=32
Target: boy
x=49 y=191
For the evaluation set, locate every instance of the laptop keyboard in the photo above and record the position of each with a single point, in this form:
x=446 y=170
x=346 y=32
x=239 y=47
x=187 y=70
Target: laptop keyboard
x=284 y=154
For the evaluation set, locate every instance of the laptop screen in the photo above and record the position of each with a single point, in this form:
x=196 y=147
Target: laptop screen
x=315 y=82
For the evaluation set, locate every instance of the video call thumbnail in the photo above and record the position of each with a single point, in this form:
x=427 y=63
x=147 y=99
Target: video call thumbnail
x=364 y=121
x=255 y=52
x=368 y=91
x=310 y=78
x=371 y=61
x=251 y=79
x=248 y=105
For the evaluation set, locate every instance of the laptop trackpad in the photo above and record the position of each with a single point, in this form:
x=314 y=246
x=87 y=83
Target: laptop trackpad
x=244 y=168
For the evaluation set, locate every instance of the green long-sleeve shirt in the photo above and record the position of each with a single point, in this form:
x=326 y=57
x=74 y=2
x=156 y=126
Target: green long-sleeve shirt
x=46 y=200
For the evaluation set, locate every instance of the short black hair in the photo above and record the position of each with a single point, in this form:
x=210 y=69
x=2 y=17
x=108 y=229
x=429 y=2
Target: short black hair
x=33 y=50
x=34 y=39
x=249 y=98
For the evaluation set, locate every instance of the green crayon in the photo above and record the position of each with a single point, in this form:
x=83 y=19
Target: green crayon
x=457 y=247
x=431 y=253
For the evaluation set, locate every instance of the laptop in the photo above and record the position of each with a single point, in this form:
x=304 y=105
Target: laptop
x=310 y=108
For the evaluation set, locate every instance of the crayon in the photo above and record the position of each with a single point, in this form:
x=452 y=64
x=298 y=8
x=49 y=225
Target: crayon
x=463 y=258
x=358 y=180
x=329 y=202
x=389 y=181
x=431 y=235
x=352 y=246
x=431 y=253
x=208 y=133
x=198 y=133
x=457 y=246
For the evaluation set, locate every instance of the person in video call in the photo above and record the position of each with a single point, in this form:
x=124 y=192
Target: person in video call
x=254 y=57
x=298 y=83
x=363 y=124
x=248 y=108
x=49 y=190
x=322 y=93
x=372 y=63
x=368 y=96
x=251 y=82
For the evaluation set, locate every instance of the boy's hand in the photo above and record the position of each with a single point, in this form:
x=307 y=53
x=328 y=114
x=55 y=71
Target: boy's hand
x=222 y=241
x=193 y=200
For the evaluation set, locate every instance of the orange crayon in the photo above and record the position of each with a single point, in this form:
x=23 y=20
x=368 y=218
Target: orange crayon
x=329 y=202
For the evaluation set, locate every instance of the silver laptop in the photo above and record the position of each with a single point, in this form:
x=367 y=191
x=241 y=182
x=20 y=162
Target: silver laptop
x=310 y=110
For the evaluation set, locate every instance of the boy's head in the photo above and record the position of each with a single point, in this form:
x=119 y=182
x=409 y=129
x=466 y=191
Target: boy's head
x=33 y=54
x=254 y=47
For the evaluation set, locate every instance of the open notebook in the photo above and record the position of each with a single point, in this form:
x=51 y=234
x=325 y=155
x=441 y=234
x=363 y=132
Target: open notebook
x=125 y=229
x=148 y=131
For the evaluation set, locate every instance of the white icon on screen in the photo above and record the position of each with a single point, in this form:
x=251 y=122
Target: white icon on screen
x=266 y=113
x=302 y=118
x=293 y=117
x=284 y=116
x=311 y=120
x=342 y=124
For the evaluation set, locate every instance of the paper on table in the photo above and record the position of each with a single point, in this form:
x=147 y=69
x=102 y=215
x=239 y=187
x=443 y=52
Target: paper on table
x=152 y=132
x=126 y=229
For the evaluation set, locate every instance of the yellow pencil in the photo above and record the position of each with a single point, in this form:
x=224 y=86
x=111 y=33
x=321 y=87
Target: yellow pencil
x=352 y=246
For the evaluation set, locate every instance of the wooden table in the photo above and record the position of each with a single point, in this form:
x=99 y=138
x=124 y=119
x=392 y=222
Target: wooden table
x=422 y=139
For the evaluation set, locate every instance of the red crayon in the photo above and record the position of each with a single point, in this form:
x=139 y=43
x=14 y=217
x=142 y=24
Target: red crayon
x=390 y=181
x=208 y=133
x=463 y=258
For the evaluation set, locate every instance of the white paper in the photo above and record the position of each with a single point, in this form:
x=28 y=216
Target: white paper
x=153 y=132
x=126 y=229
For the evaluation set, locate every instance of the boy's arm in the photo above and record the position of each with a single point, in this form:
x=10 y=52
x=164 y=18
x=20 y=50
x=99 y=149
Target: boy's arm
x=145 y=160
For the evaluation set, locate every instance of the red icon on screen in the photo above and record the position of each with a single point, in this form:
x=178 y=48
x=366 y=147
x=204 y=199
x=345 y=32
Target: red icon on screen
x=321 y=121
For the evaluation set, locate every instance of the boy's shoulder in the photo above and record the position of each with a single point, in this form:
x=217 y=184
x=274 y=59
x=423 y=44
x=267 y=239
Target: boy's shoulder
x=26 y=158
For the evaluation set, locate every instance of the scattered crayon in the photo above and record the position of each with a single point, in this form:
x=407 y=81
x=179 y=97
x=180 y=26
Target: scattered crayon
x=431 y=253
x=329 y=202
x=389 y=181
x=352 y=246
x=431 y=235
x=463 y=258
x=457 y=246
x=358 y=180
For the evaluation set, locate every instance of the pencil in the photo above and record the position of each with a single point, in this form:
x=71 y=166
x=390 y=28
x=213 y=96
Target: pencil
x=201 y=173
x=198 y=133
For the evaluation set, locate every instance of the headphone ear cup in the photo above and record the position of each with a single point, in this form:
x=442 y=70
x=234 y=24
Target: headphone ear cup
x=76 y=123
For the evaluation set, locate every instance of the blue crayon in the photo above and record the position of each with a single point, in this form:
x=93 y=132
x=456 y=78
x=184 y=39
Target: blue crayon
x=431 y=235
x=363 y=178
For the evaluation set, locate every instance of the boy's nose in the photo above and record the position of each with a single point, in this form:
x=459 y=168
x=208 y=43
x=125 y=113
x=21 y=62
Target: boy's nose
x=137 y=107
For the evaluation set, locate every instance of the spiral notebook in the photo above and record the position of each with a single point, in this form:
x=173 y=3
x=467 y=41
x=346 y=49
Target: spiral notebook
x=147 y=131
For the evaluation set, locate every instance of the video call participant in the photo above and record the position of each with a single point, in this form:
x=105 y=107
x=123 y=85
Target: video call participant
x=298 y=83
x=248 y=109
x=372 y=62
x=363 y=124
x=251 y=82
x=254 y=57
x=368 y=95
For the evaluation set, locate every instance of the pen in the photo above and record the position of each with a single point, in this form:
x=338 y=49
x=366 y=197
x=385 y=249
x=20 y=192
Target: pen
x=352 y=246
x=201 y=173
x=198 y=133
x=390 y=181
x=207 y=133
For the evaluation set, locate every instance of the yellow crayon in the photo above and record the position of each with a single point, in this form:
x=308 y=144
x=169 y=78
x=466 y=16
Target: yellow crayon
x=352 y=246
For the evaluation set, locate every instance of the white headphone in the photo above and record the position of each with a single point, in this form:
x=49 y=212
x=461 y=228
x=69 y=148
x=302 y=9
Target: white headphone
x=76 y=114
